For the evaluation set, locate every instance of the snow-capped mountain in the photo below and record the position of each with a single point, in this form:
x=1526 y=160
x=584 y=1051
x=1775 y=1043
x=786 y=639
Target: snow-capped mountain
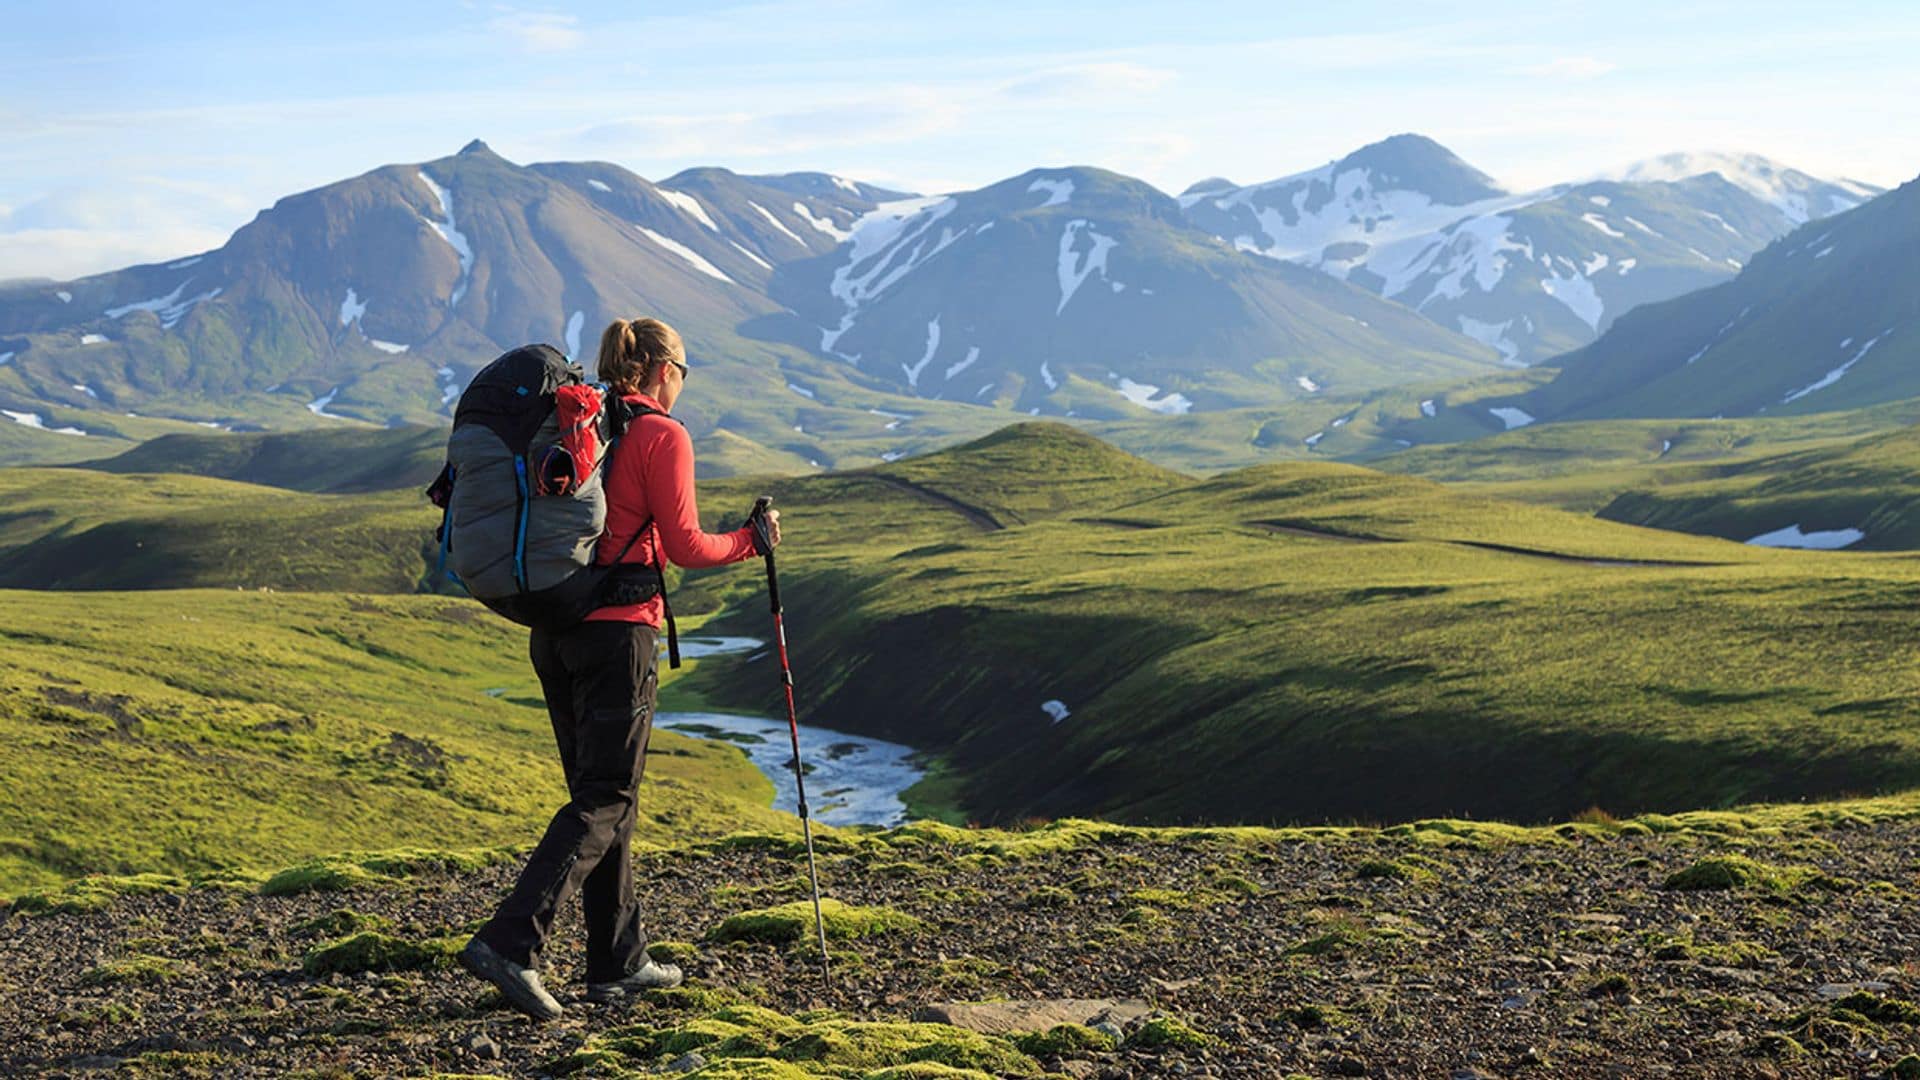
x=1531 y=274
x=1082 y=291
x=376 y=297
x=1799 y=198
x=1826 y=318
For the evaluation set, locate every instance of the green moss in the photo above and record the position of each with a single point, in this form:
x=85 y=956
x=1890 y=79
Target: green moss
x=1907 y=1068
x=1342 y=935
x=1048 y=896
x=925 y=1070
x=137 y=968
x=95 y=892
x=790 y=923
x=373 y=951
x=1880 y=1010
x=1167 y=1032
x=673 y=952
x=1722 y=872
x=843 y=1044
x=320 y=875
x=1064 y=1040
x=1374 y=869
x=1746 y=954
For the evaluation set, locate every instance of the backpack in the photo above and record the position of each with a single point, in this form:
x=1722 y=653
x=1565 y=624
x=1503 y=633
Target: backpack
x=523 y=505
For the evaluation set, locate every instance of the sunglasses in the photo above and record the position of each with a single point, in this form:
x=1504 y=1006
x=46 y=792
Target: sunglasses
x=681 y=366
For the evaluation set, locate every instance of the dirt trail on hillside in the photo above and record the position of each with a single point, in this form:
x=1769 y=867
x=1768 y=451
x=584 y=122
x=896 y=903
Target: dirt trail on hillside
x=1312 y=533
x=1374 y=956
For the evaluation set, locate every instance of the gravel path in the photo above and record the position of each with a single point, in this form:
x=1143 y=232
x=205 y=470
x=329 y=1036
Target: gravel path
x=1366 y=956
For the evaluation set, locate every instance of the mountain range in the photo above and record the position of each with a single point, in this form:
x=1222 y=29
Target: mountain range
x=1533 y=273
x=840 y=321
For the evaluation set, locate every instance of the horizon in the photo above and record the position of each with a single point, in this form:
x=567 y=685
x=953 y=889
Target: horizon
x=134 y=142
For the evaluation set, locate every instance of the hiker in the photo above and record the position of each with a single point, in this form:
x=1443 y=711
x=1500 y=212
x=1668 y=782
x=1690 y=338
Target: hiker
x=599 y=682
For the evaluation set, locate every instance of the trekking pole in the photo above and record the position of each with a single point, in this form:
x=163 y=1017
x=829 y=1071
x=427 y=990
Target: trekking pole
x=758 y=519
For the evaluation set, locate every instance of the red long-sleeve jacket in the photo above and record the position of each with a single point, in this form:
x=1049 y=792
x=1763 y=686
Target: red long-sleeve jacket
x=650 y=476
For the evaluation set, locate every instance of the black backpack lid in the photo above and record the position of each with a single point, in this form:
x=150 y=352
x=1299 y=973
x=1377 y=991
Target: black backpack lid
x=513 y=395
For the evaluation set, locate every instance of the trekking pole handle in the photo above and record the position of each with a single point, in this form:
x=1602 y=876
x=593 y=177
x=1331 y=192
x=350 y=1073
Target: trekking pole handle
x=763 y=536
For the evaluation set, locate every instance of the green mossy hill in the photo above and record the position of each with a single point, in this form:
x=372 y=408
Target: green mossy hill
x=1872 y=485
x=242 y=730
x=79 y=529
x=327 y=460
x=371 y=950
x=1600 y=664
x=1738 y=872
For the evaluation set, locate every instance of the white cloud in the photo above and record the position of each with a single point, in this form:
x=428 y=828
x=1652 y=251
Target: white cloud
x=1098 y=79
x=1570 y=67
x=539 y=32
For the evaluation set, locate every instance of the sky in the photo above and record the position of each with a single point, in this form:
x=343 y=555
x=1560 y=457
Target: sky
x=134 y=132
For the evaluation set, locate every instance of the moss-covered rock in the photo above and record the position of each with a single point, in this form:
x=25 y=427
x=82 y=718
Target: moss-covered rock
x=341 y=922
x=371 y=950
x=1064 y=1040
x=790 y=923
x=137 y=968
x=1162 y=1032
x=1721 y=872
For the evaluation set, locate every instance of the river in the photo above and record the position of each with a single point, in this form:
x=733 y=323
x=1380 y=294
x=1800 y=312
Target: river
x=851 y=779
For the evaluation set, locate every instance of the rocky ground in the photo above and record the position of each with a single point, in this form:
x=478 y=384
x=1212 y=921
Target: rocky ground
x=1715 y=949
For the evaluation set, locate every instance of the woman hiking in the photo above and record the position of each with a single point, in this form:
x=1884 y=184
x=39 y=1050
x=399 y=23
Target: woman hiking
x=599 y=682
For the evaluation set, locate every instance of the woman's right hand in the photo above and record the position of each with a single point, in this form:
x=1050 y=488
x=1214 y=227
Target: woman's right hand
x=773 y=527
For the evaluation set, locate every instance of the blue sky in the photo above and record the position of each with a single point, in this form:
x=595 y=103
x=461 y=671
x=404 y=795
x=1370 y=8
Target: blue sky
x=133 y=132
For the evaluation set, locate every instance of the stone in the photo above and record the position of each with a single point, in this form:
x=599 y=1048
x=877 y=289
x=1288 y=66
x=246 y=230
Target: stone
x=1043 y=1014
x=480 y=1045
x=687 y=1062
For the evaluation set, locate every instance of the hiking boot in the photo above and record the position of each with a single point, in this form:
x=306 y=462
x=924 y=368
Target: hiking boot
x=519 y=984
x=651 y=975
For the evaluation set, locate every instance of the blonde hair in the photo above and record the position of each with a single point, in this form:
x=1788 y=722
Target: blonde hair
x=631 y=352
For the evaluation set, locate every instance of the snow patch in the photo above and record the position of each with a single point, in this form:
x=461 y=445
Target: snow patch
x=1314 y=439
x=93 y=339
x=893 y=456
x=1056 y=709
x=351 y=308
x=692 y=257
x=170 y=308
x=392 y=348
x=1576 y=292
x=34 y=420
x=973 y=354
x=599 y=186
x=318 y=406
x=1046 y=376
x=1625 y=265
x=1642 y=226
x=1307 y=384
x=764 y=264
x=689 y=204
x=65 y=296
x=887 y=243
x=575 y=323
x=777 y=223
x=1058 y=191
x=184 y=263
x=1600 y=223
x=822 y=224
x=450 y=232
x=1823 y=252
x=1511 y=417
x=1834 y=376
x=5 y=357
x=449 y=386
x=1426 y=407
x=1494 y=336
x=801 y=390
x=1594 y=265
x=933 y=345
x=87 y=390
x=1599 y=200
x=1074 y=269
x=1792 y=537
x=1142 y=394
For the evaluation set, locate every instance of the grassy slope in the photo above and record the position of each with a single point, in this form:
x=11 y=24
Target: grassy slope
x=82 y=529
x=193 y=730
x=334 y=459
x=1220 y=669
x=1872 y=484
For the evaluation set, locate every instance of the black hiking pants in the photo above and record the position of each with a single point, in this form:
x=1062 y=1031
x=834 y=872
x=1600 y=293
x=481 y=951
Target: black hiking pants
x=599 y=682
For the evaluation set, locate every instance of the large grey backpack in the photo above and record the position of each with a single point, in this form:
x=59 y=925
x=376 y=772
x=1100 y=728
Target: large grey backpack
x=520 y=546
